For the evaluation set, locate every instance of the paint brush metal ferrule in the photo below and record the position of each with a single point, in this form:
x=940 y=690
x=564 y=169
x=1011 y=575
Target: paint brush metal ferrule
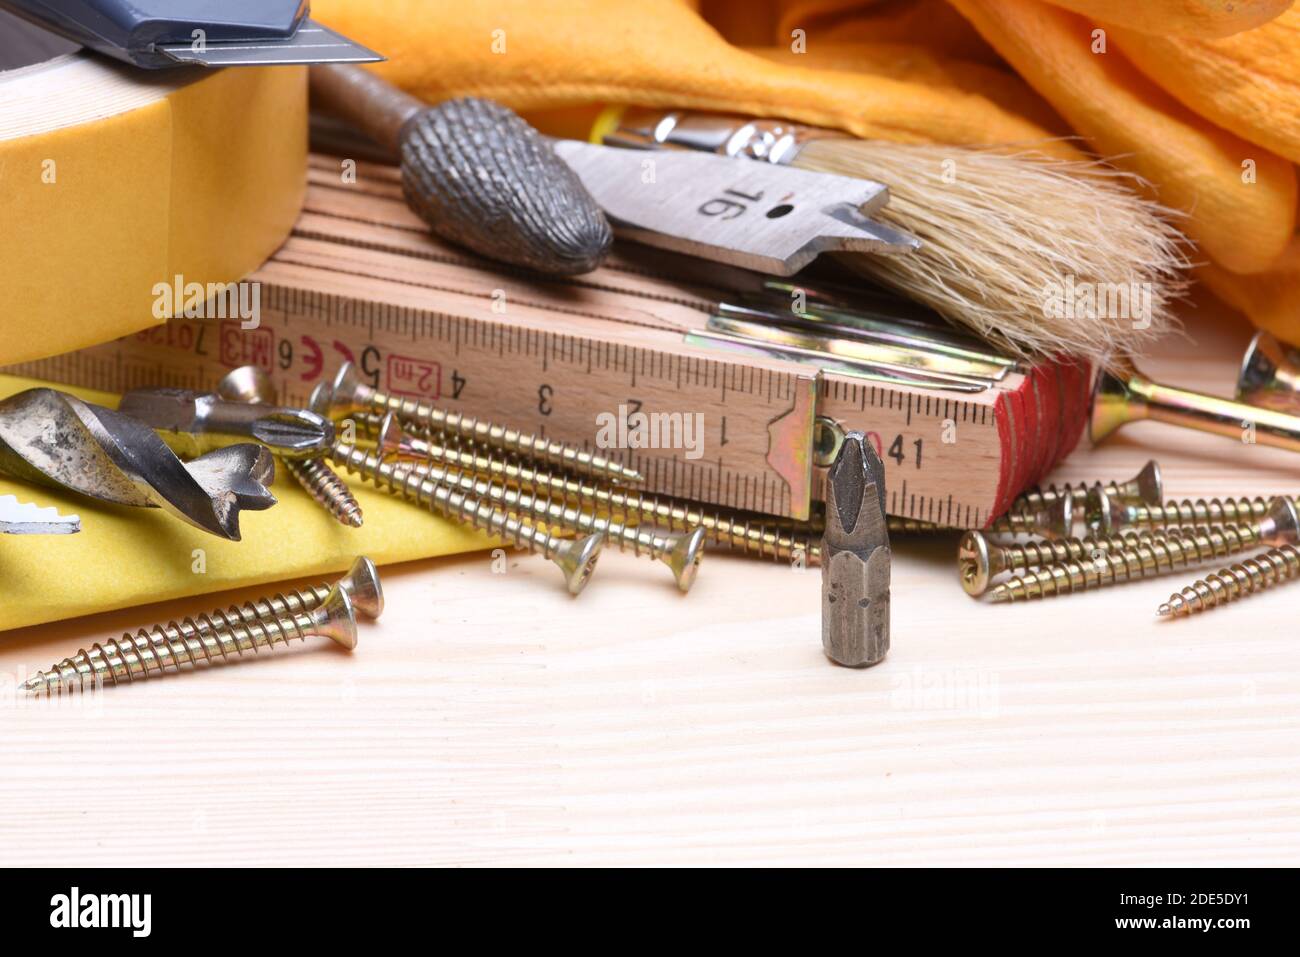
x=774 y=141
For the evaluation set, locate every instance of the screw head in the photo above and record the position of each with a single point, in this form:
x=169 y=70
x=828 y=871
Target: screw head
x=246 y=384
x=684 y=559
x=362 y=585
x=974 y=563
x=321 y=400
x=1058 y=518
x=1102 y=512
x=1149 y=484
x=345 y=390
x=335 y=619
x=391 y=435
x=1281 y=524
x=1113 y=404
x=577 y=559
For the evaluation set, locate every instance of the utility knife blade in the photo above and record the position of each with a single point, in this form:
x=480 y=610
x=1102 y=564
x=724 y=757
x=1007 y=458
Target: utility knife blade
x=165 y=33
x=772 y=219
x=24 y=518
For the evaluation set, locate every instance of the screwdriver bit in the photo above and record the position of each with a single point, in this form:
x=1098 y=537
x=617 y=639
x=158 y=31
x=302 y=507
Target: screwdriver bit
x=855 y=557
x=197 y=422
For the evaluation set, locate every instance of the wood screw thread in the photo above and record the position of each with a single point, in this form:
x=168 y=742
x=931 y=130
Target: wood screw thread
x=1145 y=488
x=220 y=634
x=1054 y=519
x=349 y=393
x=1108 y=515
x=776 y=538
x=979 y=560
x=576 y=558
x=767 y=536
x=1255 y=574
x=1128 y=560
x=327 y=488
x=680 y=551
x=361 y=583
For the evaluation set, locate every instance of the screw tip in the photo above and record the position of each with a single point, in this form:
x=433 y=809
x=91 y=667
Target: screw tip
x=1165 y=611
x=1000 y=595
x=35 y=684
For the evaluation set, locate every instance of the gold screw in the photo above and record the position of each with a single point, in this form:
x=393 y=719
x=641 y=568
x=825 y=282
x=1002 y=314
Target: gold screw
x=361 y=583
x=1260 y=573
x=1139 y=558
x=1106 y=515
x=681 y=552
x=576 y=558
x=1145 y=488
x=725 y=527
x=221 y=634
x=979 y=560
x=349 y=394
x=327 y=488
x=1052 y=520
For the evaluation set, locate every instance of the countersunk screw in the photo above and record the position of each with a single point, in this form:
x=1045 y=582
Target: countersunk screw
x=748 y=532
x=681 y=552
x=576 y=558
x=1053 y=519
x=361 y=583
x=1138 y=558
x=1256 y=574
x=349 y=394
x=192 y=641
x=979 y=560
x=1106 y=515
x=1145 y=488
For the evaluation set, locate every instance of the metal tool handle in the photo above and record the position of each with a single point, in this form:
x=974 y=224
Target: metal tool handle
x=375 y=107
x=1270 y=374
x=773 y=141
x=1128 y=396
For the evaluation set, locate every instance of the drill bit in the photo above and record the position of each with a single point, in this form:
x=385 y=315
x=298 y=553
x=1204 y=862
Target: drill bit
x=53 y=438
x=855 y=557
x=24 y=518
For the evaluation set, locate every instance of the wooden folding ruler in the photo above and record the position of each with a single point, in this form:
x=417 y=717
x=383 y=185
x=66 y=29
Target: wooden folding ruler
x=361 y=279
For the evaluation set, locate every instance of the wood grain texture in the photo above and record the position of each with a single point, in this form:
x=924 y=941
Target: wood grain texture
x=490 y=719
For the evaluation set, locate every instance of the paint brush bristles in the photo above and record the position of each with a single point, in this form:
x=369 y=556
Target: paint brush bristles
x=1038 y=255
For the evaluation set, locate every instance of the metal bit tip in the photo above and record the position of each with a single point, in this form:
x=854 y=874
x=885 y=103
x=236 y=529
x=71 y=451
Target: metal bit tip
x=855 y=557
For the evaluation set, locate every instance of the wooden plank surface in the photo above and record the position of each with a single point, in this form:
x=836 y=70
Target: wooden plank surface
x=490 y=719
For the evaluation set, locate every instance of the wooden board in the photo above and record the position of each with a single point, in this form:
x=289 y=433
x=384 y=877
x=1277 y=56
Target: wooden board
x=488 y=719
x=362 y=279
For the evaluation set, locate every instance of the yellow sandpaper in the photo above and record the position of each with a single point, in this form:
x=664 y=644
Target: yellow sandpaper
x=138 y=180
x=133 y=556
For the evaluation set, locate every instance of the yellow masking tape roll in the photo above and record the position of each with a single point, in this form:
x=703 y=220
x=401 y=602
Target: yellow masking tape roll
x=124 y=557
x=113 y=180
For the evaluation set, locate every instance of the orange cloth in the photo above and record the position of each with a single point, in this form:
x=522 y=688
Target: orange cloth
x=1199 y=97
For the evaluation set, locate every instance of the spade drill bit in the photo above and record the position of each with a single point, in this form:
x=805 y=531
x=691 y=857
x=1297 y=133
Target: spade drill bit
x=53 y=438
x=855 y=557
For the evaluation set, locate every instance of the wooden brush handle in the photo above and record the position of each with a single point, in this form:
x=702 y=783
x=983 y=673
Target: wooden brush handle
x=373 y=106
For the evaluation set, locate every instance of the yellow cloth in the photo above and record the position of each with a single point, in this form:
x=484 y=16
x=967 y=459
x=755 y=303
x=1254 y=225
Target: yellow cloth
x=124 y=556
x=1203 y=104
